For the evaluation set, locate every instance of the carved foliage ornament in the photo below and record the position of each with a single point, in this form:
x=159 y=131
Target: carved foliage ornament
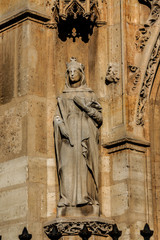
x=134 y=75
x=142 y=36
x=148 y=79
x=144 y=33
x=73 y=228
x=111 y=75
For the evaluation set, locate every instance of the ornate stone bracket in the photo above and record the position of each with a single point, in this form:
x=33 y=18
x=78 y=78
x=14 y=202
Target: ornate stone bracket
x=144 y=32
x=79 y=226
x=147 y=82
x=111 y=75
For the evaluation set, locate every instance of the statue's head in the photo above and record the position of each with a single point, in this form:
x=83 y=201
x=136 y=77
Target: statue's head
x=75 y=73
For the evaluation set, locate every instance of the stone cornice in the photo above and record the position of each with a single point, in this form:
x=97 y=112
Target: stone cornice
x=127 y=142
x=23 y=15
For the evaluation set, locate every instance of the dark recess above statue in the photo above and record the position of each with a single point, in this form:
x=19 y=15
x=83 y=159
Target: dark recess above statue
x=76 y=18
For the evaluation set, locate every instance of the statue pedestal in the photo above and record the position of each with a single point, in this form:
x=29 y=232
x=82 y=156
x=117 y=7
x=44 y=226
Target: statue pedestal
x=87 y=210
x=74 y=226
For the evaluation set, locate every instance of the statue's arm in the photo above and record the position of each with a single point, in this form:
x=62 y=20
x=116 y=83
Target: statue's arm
x=58 y=123
x=95 y=114
x=93 y=110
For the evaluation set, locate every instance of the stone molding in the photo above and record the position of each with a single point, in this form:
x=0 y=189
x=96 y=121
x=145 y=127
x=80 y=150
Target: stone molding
x=21 y=16
x=72 y=226
x=150 y=55
x=127 y=142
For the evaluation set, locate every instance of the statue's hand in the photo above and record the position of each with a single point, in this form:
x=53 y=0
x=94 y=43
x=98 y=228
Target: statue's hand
x=80 y=102
x=58 y=121
x=63 y=131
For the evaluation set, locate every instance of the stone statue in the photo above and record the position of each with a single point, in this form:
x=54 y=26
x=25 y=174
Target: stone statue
x=76 y=133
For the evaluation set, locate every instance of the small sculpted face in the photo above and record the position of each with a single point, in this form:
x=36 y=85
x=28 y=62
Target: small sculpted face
x=74 y=75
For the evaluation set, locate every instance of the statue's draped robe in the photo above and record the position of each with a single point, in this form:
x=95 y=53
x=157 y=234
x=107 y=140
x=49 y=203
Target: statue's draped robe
x=77 y=159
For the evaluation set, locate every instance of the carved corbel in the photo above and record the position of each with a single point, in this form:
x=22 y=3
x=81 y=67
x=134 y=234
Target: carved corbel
x=111 y=75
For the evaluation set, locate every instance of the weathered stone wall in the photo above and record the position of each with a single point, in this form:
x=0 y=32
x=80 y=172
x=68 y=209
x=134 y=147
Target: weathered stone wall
x=32 y=70
x=26 y=115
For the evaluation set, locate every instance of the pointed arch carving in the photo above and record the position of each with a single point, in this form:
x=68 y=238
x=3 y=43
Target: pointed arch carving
x=147 y=82
x=144 y=32
x=149 y=46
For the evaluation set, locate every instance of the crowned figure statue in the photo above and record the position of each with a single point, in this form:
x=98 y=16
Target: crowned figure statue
x=76 y=133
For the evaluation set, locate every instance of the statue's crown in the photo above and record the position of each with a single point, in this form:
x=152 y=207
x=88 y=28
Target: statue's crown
x=73 y=63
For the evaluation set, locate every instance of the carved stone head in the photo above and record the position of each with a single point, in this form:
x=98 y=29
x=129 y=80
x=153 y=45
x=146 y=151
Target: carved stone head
x=75 y=73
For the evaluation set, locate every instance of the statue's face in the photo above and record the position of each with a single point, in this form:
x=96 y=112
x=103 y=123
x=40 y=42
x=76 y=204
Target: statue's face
x=74 y=75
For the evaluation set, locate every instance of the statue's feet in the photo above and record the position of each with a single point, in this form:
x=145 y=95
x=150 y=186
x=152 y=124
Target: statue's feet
x=63 y=202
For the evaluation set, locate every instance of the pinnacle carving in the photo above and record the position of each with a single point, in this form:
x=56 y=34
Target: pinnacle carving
x=87 y=9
